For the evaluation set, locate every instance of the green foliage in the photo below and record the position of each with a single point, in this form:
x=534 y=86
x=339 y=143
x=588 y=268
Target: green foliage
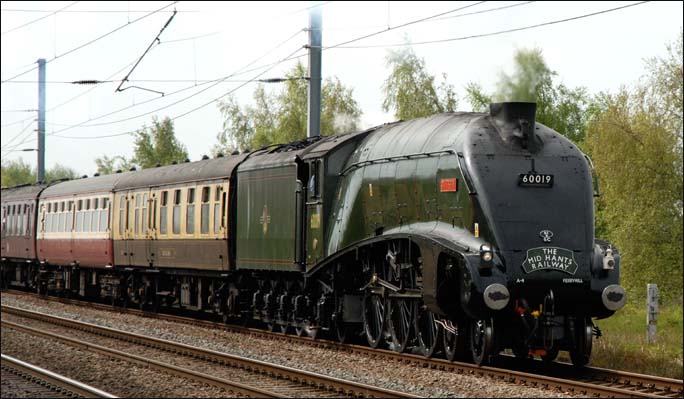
x=624 y=346
x=479 y=100
x=282 y=117
x=636 y=145
x=559 y=107
x=59 y=172
x=107 y=165
x=17 y=172
x=158 y=144
x=410 y=90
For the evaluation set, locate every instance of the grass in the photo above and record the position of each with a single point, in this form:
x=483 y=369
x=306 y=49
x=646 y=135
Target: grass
x=623 y=345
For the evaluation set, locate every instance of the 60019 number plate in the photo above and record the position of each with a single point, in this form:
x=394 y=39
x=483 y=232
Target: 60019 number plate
x=535 y=180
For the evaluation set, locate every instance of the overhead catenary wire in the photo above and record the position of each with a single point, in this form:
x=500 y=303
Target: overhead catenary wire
x=90 y=42
x=254 y=79
x=404 y=25
x=489 y=33
x=216 y=82
x=20 y=133
x=38 y=19
x=524 y=3
x=238 y=72
x=85 y=11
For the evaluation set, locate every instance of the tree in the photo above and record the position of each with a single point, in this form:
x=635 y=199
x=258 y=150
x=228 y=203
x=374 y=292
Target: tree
x=59 y=172
x=410 y=90
x=17 y=172
x=158 y=144
x=636 y=145
x=559 y=107
x=107 y=165
x=282 y=117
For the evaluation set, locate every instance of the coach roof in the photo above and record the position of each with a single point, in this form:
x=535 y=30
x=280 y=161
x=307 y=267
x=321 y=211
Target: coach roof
x=97 y=184
x=217 y=168
x=23 y=192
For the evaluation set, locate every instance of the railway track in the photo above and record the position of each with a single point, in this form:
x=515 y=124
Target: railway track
x=218 y=369
x=33 y=381
x=589 y=381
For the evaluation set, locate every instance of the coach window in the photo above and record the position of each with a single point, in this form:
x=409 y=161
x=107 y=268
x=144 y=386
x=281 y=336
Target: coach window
x=86 y=217
x=163 y=215
x=206 y=191
x=122 y=209
x=223 y=210
x=24 y=219
x=41 y=218
x=18 y=219
x=13 y=220
x=190 y=212
x=58 y=223
x=79 y=216
x=103 y=214
x=29 y=220
x=62 y=217
x=46 y=218
x=3 y=225
x=144 y=213
x=176 y=211
x=10 y=220
x=54 y=215
x=93 y=215
x=17 y=222
x=70 y=216
x=51 y=217
x=20 y=230
x=136 y=226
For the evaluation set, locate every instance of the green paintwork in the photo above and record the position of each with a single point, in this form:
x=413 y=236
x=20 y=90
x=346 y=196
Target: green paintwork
x=266 y=218
x=400 y=193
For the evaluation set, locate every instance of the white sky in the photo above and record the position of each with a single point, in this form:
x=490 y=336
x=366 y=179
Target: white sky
x=601 y=52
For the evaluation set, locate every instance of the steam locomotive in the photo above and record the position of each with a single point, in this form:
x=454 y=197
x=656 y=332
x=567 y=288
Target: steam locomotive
x=460 y=233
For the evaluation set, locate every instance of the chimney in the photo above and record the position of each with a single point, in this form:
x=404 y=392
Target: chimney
x=516 y=120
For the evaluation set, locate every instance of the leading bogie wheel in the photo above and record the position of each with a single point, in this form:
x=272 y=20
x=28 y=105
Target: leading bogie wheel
x=581 y=352
x=481 y=341
x=455 y=342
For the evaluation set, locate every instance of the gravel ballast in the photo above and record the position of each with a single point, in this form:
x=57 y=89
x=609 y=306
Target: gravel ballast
x=355 y=367
x=117 y=377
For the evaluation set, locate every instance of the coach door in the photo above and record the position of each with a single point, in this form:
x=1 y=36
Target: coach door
x=129 y=230
x=149 y=227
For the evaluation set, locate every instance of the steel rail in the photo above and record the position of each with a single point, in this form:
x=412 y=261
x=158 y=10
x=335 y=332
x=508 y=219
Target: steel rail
x=230 y=386
x=58 y=381
x=594 y=381
x=332 y=384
